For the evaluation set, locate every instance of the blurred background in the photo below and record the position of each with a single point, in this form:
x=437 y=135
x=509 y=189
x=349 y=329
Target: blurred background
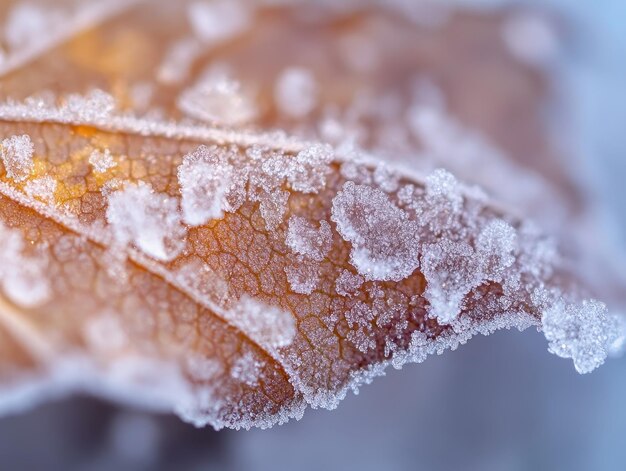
x=498 y=403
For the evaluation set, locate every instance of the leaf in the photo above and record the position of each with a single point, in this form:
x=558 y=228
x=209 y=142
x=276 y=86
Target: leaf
x=233 y=275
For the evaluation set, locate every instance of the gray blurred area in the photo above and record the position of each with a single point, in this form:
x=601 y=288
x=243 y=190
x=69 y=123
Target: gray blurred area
x=498 y=403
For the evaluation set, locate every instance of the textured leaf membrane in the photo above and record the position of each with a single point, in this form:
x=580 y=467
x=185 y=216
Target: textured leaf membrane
x=152 y=255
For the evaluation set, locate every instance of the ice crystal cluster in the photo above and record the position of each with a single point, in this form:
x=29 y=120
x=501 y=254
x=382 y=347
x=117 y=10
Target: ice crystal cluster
x=188 y=257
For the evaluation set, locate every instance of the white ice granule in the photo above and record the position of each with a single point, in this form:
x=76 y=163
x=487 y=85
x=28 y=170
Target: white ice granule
x=269 y=326
x=295 y=92
x=305 y=239
x=42 y=188
x=218 y=20
x=384 y=240
x=23 y=278
x=204 y=178
x=216 y=98
x=273 y=207
x=584 y=332
x=17 y=156
x=147 y=219
x=101 y=161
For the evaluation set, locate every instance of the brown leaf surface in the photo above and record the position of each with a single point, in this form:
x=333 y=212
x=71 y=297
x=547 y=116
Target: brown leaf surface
x=225 y=321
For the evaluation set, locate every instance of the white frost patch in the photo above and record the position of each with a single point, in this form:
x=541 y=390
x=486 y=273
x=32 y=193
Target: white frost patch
x=218 y=20
x=347 y=283
x=96 y=106
x=273 y=207
x=247 y=369
x=454 y=268
x=295 y=92
x=17 y=156
x=23 y=278
x=101 y=161
x=304 y=239
x=218 y=99
x=584 y=332
x=303 y=276
x=147 y=219
x=384 y=240
x=204 y=178
x=269 y=326
x=41 y=188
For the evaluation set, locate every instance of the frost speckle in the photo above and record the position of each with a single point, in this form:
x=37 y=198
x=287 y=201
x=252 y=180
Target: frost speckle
x=384 y=240
x=247 y=369
x=17 y=156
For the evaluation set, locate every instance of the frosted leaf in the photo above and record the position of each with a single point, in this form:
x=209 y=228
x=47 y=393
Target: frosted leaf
x=295 y=92
x=247 y=369
x=384 y=240
x=443 y=201
x=17 y=156
x=216 y=98
x=304 y=239
x=303 y=276
x=101 y=161
x=584 y=332
x=348 y=283
x=202 y=368
x=41 y=188
x=204 y=178
x=269 y=326
x=147 y=219
x=23 y=278
x=217 y=20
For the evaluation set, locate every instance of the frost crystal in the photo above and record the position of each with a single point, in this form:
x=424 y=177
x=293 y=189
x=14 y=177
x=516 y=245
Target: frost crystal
x=17 y=156
x=269 y=326
x=23 y=278
x=204 y=178
x=147 y=219
x=296 y=92
x=384 y=240
x=42 y=188
x=101 y=161
x=584 y=332
x=304 y=239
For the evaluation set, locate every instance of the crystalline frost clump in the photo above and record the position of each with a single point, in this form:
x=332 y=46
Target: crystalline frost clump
x=204 y=178
x=147 y=219
x=584 y=332
x=384 y=240
x=17 y=156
